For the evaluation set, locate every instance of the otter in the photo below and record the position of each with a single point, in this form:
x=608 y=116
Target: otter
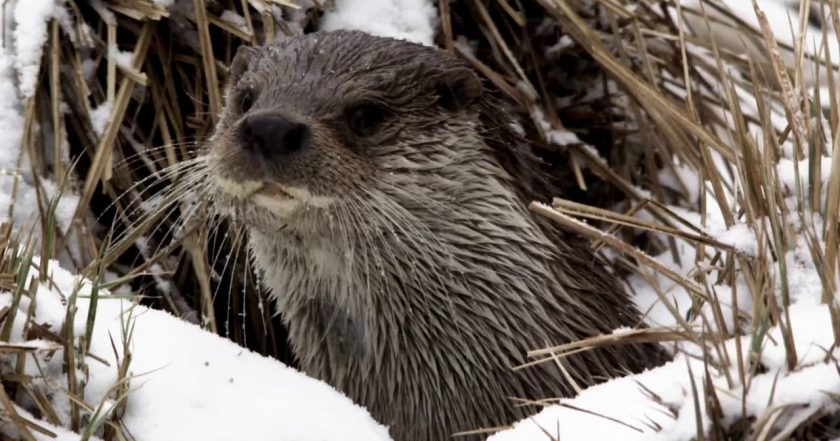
x=385 y=192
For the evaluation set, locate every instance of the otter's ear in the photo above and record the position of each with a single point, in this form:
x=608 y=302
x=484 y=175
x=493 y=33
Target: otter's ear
x=240 y=62
x=458 y=89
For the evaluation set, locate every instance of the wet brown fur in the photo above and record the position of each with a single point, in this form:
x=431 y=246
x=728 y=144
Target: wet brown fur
x=421 y=279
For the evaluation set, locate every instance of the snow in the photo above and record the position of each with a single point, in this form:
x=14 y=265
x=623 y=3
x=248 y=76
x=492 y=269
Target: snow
x=61 y=434
x=787 y=169
x=618 y=409
x=413 y=20
x=18 y=80
x=30 y=33
x=561 y=138
x=562 y=44
x=188 y=383
x=123 y=59
x=783 y=16
x=100 y=116
x=16 y=184
x=679 y=178
x=234 y=19
x=11 y=119
x=741 y=237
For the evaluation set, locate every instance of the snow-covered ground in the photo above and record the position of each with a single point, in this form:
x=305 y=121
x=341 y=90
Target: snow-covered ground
x=186 y=383
x=190 y=384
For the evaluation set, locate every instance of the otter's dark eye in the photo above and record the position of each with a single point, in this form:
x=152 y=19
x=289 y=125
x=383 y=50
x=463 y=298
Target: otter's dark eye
x=246 y=99
x=365 y=119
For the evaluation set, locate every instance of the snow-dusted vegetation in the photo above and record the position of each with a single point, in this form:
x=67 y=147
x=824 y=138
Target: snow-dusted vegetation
x=723 y=121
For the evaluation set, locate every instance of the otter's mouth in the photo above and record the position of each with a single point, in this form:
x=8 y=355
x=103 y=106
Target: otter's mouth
x=275 y=191
x=278 y=199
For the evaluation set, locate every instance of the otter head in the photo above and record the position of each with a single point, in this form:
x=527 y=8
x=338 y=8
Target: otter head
x=318 y=123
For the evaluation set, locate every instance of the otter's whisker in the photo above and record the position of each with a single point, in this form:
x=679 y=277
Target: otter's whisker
x=166 y=174
x=188 y=214
x=149 y=157
x=234 y=252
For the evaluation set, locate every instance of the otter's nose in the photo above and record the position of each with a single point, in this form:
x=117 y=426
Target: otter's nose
x=272 y=135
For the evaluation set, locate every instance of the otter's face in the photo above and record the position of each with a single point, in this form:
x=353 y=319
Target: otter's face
x=317 y=122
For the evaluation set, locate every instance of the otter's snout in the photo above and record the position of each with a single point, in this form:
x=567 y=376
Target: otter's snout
x=273 y=135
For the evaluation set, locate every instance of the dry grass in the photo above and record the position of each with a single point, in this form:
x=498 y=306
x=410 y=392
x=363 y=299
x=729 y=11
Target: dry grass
x=669 y=99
